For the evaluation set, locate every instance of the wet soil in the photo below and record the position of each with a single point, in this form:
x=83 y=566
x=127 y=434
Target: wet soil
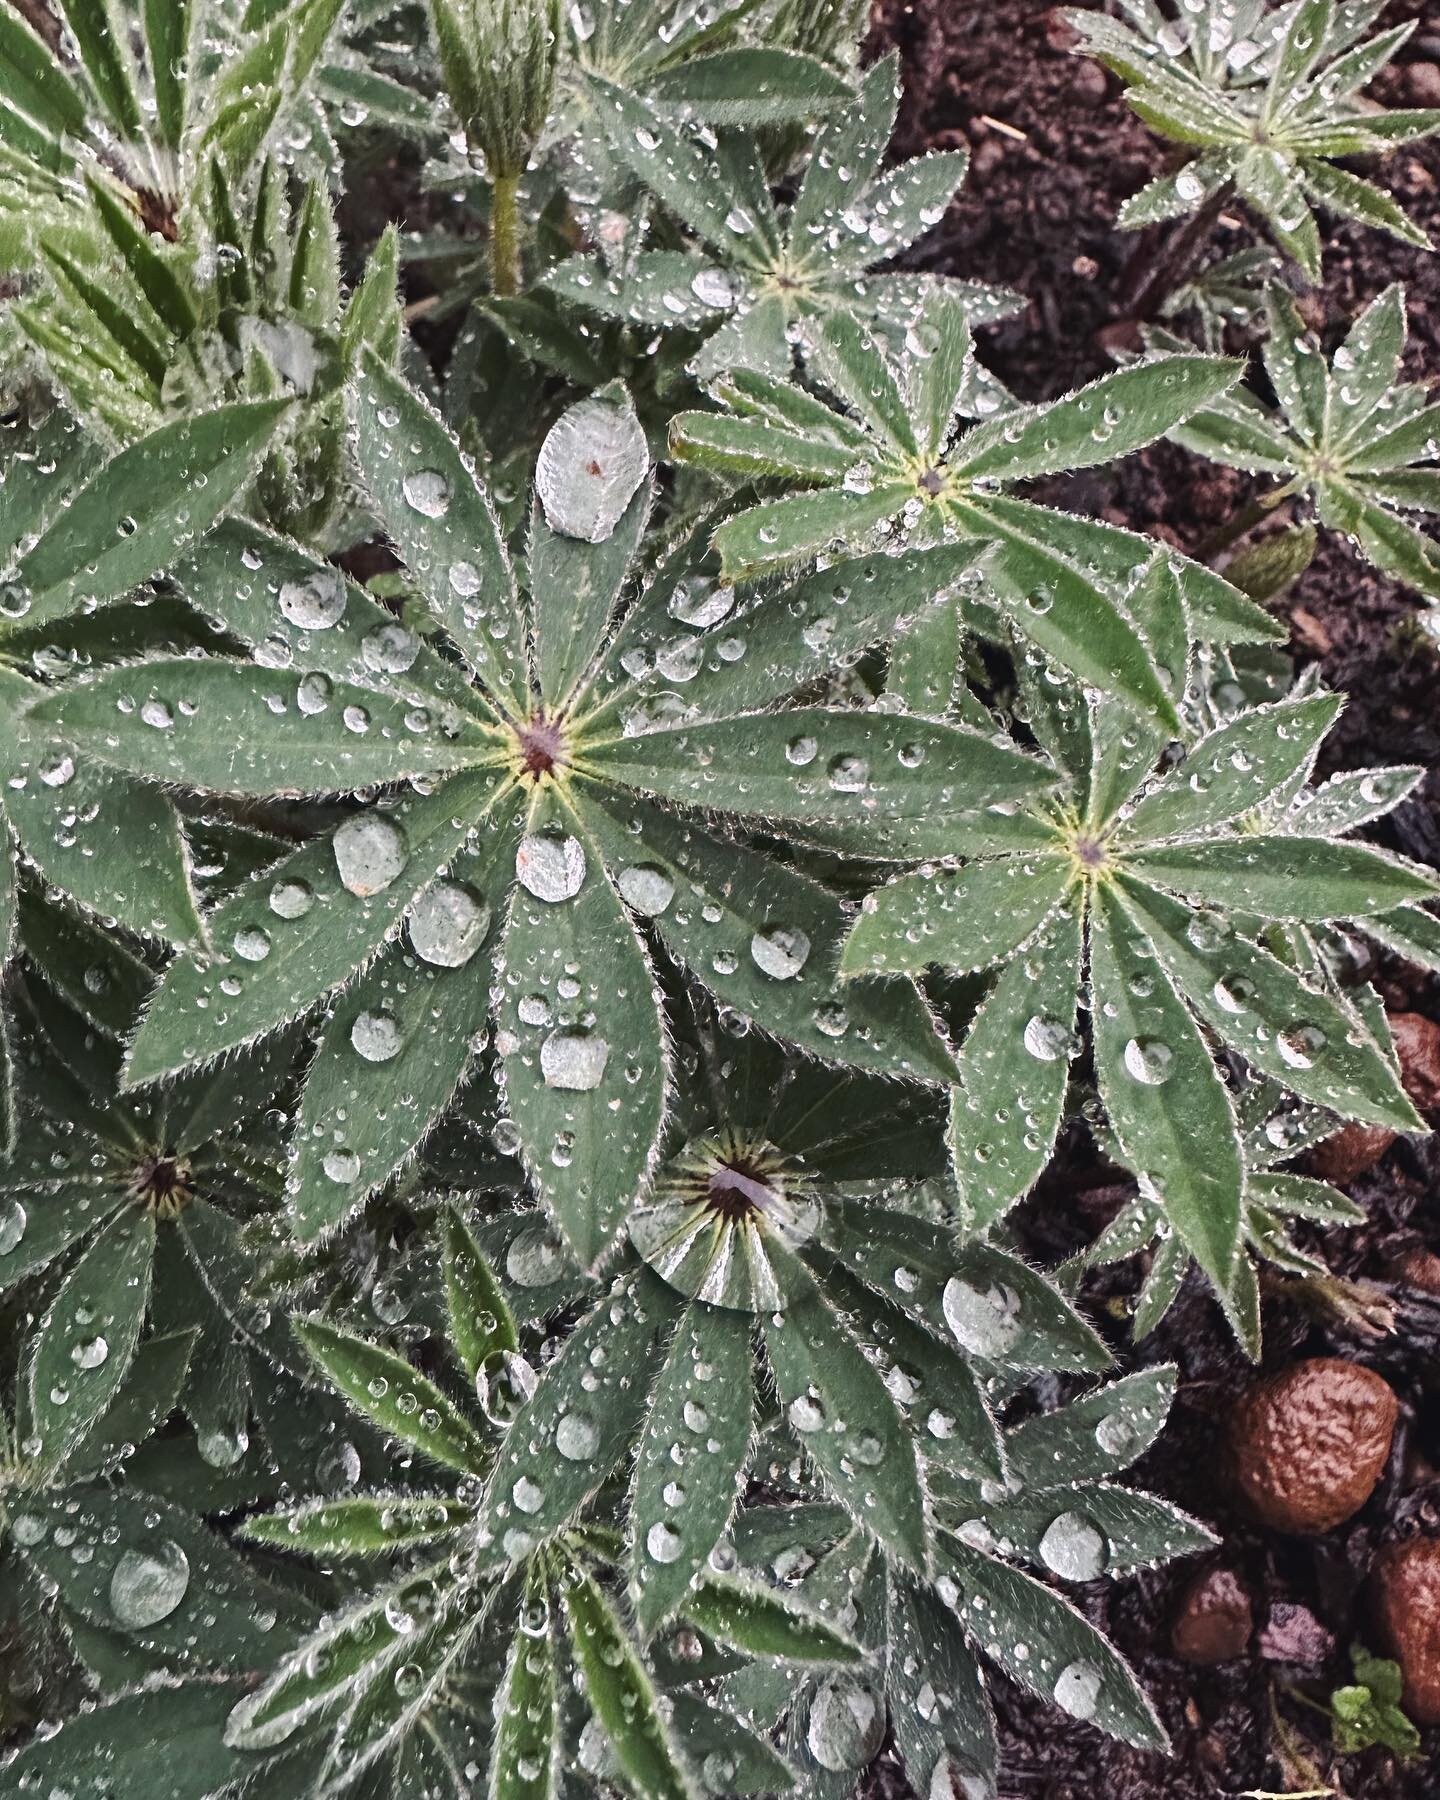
x=1054 y=152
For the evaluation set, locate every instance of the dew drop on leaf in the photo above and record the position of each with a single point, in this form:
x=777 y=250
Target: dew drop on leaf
x=315 y=603
x=1077 y=1690
x=663 y=1543
x=648 y=889
x=428 y=492
x=447 y=925
x=1073 y=1548
x=573 y=1060
x=986 y=1322
x=779 y=952
x=550 y=866
x=370 y=853
x=251 y=944
x=1148 y=1060
x=13 y=1220
x=846 y=1726
x=376 y=1036
x=576 y=1436
x=147 y=1585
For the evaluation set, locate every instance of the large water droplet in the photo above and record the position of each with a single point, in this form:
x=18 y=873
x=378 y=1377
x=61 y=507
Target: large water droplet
x=1073 y=1548
x=428 y=492
x=370 y=853
x=13 y=1220
x=576 y=1437
x=780 y=952
x=1148 y=1060
x=574 y=1060
x=377 y=1036
x=447 y=925
x=550 y=866
x=846 y=1726
x=147 y=1585
x=1077 y=1690
x=663 y=1542
x=316 y=602
x=986 y=1322
x=649 y=890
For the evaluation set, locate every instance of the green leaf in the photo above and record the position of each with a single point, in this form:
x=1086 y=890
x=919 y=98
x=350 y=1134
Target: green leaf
x=87 y=1338
x=167 y=41
x=584 y=1071
x=764 y=1622
x=620 y=1694
x=1069 y=1664
x=523 y=1761
x=963 y=919
x=1283 y=878
x=295 y=931
x=849 y=360
x=135 y=515
x=105 y=55
x=763 y=939
x=690 y=1464
x=1109 y=418
x=580 y=1420
x=139 y=1566
x=53 y=1215
x=479 y=1317
x=443 y=524
x=751 y=1765
x=928 y=1657
x=843 y=1416
x=373 y=1525
x=157 y=1743
x=1014 y=1071
x=230 y=728
x=1282 y=1026
x=396 y=1045
x=1163 y=1096
x=750 y=85
x=1136 y=1531
x=396 y=1397
x=575 y=586
x=781 y=532
x=1097 y=1435
x=1232 y=770
x=824 y=765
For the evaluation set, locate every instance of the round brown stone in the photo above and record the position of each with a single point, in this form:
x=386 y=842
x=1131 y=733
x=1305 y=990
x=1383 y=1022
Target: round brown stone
x=1215 y=1619
x=1308 y=1445
x=1407 y=1609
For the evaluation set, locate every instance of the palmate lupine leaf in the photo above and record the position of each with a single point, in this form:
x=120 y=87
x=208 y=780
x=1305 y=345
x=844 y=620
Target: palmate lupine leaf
x=1176 y=894
x=758 y=272
x=887 y=459
x=532 y=816
x=1268 y=97
x=1360 y=447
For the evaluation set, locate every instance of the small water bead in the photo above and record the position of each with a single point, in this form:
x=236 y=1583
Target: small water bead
x=550 y=866
x=1047 y=1039
x=1149 y=1061
x=390 y=649
x=713 y=287
x=57 y=772
x=370 y=853
x=846 y=1726
x=312 y=694
x=157 y=714
x=147 y=1585
x=377 y=1036
x=1115 y=1435
x=447 y=925
x=801 y=751
x=315 y=603
x=251 y=944
x=663 y=1543
x=341 y=1166
x=528 y=1495
x=780 y=952
x=848 y=774
x=1073 y=1548
x=986 y=1322
x=573 y=1060
x=13 y=1220
x=503 y=1383
x=648 y=889
x=291 y=899
x=806 y=1414
x=427 y=492
x=577 y=1436
x=1077 y=1690
x=535 y=1258
x=1299 y=1045
x=1234 y=993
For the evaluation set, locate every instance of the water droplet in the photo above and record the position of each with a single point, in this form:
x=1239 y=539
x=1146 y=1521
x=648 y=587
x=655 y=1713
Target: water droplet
x=648 y=889
x=91 y=1353
x=291 y=899
x=1077 y=1690
x=1299 y=1045
x=341 y=1166
x=1115 y=1435
x=1073 y=1548
x=550 y=866
x=13 y=1220
x=147 y=1585
x=447 y=925
x=370 y=853
x=573 y=1060
x=390 y=649
x=428 y=492
x=1047 y=1039
x=315 y=603
x=1148 y=1060
x=779 y=952
x=846 y=1726
x=576 y=1437
x=663 y=1542
x=251 y=944
x=377 y=1036
x=986 y=1322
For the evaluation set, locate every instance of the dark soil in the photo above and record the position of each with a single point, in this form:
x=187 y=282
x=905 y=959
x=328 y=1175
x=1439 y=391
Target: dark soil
x=1054 y=152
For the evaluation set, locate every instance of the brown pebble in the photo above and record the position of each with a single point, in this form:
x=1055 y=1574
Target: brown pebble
x=1060 y=34
x=1346 y=1156
x=1407 y=1609
x=1308 y=1445
x=1422 y=83
x=1417 y=1039
x=1088 y=83
x=1292 y=1634
x=1418 y=1268
x=1215 y=1619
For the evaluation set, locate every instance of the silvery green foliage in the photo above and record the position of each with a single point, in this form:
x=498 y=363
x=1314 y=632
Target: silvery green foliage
x=567 y=782
x=1269 y=97
x=1174 y=901
x=888 y=462
x=499 y=59
x=1346 y=434
x=249 y=307
x=758 y=273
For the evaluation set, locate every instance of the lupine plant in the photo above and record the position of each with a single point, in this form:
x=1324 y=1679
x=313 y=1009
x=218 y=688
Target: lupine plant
x=574 y=878
x=1269 y=98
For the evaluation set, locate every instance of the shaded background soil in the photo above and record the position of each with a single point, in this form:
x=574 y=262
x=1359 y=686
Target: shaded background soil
x=1054 y=152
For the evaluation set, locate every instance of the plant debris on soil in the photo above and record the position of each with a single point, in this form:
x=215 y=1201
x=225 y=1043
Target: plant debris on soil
x=1054 y=152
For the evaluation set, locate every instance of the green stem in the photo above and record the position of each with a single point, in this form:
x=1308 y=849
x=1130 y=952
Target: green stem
x=505 y=235
x=1245 y=520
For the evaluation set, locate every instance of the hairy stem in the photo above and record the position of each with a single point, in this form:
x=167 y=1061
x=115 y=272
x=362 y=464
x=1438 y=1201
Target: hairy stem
x=505 y=235
x=1248 y=517
x=1150 y=279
